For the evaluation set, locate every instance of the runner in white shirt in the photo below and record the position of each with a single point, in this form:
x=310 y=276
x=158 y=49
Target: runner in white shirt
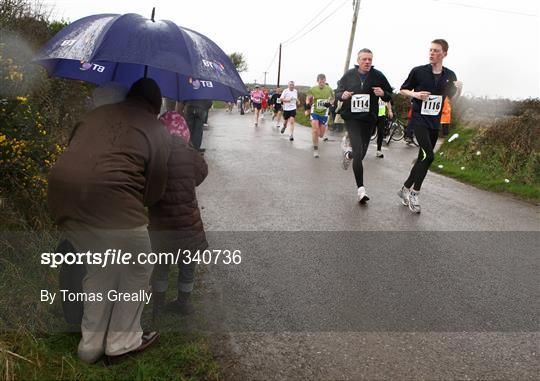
x=289 y=100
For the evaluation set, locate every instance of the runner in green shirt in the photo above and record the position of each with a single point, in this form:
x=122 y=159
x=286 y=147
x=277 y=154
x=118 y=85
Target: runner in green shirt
x=320 y=97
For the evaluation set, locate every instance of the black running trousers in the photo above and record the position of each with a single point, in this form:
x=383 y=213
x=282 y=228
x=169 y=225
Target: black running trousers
x=359 y=135
x=426 y=138
x=381 y=122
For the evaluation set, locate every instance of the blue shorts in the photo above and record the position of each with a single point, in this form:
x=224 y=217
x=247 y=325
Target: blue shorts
x=320 y=118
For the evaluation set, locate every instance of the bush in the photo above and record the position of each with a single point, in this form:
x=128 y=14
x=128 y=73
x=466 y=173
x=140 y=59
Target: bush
x=513 y=143
x=36 y=113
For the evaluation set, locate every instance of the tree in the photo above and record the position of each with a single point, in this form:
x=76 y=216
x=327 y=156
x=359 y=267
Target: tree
x=239 y=61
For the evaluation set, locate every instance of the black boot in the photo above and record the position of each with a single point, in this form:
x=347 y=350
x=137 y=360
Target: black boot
x=182 y=305
x=158 y=304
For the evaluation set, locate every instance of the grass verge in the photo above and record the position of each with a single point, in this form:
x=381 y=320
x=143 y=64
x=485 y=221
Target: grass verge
x=473 y=160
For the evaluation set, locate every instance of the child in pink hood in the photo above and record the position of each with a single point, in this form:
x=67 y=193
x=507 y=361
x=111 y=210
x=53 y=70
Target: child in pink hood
x=176 y=124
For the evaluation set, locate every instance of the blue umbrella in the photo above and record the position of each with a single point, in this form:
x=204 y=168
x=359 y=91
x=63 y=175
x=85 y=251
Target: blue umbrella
x=123 y=48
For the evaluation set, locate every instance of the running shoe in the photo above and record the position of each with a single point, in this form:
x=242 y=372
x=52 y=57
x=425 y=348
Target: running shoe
x=316 y=153
x=256 y=125
x=325 y=139
x=379 y=154
x=347 y=158
x=414 y=204
x=283 y=129
x=403 y=194
x=362 y=195
x=291 y=138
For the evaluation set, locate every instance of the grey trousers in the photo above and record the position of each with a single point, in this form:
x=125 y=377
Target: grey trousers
x=186 y=277
x=195 y=118
x=111 y=327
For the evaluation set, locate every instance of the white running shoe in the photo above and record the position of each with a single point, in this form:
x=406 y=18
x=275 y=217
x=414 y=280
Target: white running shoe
x=316 y=153
x=379 y=154
x=362 y=195
x=347 y=159
x=403 y=194
x=414 y=204
x=291 y=138
x=325 y=139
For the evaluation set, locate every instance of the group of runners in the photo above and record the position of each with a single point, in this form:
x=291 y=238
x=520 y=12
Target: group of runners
x=362 y=96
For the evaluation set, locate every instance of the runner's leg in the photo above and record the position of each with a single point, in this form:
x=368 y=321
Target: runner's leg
x=380 y=131
x=292 y=122
x=279 y=117
x=357 y=135
x=315 y=133
x=426 y=138
x=322 y=130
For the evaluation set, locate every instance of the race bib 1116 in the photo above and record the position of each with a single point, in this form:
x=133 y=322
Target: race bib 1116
x=432 y=105
x=360 y=103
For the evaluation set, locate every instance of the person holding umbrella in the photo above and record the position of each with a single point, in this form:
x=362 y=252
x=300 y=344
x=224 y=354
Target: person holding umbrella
x=114 y=167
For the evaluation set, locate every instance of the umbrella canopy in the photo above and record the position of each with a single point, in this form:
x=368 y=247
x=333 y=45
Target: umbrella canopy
x=123 y=48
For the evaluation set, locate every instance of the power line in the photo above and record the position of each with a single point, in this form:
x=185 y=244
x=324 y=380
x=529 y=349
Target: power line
x=487 y=8
x=294 y=36
x=309 y=22
x=317 y=25
x=273 y=59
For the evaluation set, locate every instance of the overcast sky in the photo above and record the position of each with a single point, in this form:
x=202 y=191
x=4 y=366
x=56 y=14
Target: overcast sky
x=494 y=44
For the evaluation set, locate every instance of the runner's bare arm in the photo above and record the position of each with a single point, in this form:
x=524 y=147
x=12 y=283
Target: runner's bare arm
x=459 y=87
x=423 y=95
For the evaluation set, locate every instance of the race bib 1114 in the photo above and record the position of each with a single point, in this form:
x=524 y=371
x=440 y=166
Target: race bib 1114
x=360 y=103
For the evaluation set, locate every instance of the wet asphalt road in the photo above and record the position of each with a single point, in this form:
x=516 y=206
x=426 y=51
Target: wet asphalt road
x=328 y=289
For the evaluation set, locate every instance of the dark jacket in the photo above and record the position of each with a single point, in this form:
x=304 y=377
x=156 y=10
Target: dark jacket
x=175 y=220
x=351 y=82
x=115 y=166
x=421 y=78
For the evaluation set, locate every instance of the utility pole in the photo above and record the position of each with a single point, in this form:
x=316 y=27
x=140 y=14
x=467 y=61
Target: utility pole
x=265 y=72
x=356 y=5
x=279 y=66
